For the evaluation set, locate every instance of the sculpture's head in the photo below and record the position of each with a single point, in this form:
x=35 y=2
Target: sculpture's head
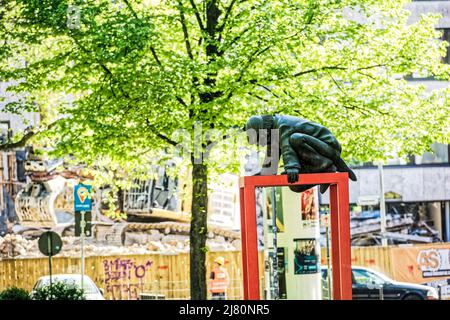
x=258 y=130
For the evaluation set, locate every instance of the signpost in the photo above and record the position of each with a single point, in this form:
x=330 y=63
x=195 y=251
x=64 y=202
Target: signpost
x=83 y=216
x=382 y=205
x=325 y=222
x=50 y=244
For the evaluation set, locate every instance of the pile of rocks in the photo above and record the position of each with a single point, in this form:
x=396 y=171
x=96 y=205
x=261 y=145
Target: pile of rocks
x=12 y=245
x=15 y=246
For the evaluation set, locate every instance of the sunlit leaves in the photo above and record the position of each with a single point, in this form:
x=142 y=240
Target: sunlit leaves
x=132 y=79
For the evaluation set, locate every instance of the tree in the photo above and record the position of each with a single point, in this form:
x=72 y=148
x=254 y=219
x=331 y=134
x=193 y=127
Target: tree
x=137 y=71
x=14 y=293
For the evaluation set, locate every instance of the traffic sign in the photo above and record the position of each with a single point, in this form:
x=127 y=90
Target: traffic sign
x=82 y=198
x=87 y=221
x=50 y=243
x=368 y=200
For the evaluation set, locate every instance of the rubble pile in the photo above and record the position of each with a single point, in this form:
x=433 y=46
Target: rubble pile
x=162 y=241
x=12 y=246
x=16 y=246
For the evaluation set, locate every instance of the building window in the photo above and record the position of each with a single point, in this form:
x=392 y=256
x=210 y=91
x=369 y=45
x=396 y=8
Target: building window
x=222 y=203
x=439 y=155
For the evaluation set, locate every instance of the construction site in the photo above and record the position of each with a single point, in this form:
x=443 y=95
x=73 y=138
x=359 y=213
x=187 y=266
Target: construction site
x=37 y=196
x=154 y=223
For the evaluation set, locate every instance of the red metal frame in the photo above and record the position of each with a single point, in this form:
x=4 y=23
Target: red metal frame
x=340 y=229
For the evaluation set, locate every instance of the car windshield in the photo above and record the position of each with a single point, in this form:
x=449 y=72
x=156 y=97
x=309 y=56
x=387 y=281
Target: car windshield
x=363 y=276
x=88 y=286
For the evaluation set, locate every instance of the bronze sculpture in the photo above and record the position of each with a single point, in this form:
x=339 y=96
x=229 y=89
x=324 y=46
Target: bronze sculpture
x=305 y=147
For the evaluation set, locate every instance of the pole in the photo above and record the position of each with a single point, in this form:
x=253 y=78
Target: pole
x=447 y=221
x=275 y=248
x=82 y=225
x=267 y=258
x=50 y=246
x=382 y=205
x=327 y=234
x=381 y=292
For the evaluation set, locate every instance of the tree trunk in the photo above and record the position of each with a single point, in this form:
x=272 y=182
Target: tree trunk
x=199 y=231
x=199 y=228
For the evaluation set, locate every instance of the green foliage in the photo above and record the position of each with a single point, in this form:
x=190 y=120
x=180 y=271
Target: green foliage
x=59 y=290
x=137 y=73
x=14 y=293
x=130 y=74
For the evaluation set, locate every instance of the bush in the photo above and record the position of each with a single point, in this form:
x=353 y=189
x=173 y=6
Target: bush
x=59 y=291
x=14 y=293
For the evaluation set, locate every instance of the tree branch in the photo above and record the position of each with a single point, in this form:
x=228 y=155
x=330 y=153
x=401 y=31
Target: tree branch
x=185 y=31
x=131 y=9
x=233 y=41
x=197 y=15
x=18 y=144
x=155 y=56
x=159 y=135
x=152 y=49
x=257 y=96
x=225 y=19
x=29 y=133
x=301 y=73
x=268 y=90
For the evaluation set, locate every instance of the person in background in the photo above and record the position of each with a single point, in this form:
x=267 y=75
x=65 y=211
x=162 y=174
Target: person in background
x=219 y=280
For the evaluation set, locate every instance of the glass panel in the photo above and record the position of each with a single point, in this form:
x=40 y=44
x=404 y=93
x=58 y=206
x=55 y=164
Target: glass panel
x=363 y=277
x=439 y=155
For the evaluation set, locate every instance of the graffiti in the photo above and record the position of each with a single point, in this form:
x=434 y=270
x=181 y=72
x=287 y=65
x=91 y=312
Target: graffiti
x=120 y=270
x=128 y=291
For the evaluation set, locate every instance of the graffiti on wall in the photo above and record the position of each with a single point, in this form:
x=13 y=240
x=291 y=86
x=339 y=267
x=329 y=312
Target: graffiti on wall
x=124 y=278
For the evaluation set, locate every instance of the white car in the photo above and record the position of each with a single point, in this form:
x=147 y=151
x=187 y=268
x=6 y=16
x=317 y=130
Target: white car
x=91 y=291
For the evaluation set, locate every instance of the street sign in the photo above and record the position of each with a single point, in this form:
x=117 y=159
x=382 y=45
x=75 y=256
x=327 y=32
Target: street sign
x=83 y=226
x=50 y=243
x=87 y=223
x=82 y=198
x=368 y=200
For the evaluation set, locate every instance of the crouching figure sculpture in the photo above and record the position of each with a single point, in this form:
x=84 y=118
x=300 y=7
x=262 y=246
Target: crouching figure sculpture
x=305 y=147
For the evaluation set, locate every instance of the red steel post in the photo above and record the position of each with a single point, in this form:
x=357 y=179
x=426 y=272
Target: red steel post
x=251 y=243
x=243 y=242
x=340 y=229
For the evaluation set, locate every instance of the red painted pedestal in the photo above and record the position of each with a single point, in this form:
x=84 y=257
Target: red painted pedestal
x=340 y=229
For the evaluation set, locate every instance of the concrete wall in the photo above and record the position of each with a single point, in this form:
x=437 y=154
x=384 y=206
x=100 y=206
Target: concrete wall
x=414 y=184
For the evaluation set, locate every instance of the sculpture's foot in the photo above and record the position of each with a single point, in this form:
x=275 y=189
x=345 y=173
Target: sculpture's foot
x=323 y=188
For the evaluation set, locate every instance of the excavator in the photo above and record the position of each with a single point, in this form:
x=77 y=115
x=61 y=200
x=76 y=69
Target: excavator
x=46 y=203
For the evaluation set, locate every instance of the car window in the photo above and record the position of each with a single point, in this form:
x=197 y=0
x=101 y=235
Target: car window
x=88 y=285
x=364 y=277
x=37 y=285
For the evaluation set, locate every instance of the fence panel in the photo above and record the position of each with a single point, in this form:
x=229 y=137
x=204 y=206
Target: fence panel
x=126 y=276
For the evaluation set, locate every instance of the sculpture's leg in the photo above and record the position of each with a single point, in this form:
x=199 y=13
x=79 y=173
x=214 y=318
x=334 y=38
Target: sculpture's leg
x=299 y=140
x=306 y=142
